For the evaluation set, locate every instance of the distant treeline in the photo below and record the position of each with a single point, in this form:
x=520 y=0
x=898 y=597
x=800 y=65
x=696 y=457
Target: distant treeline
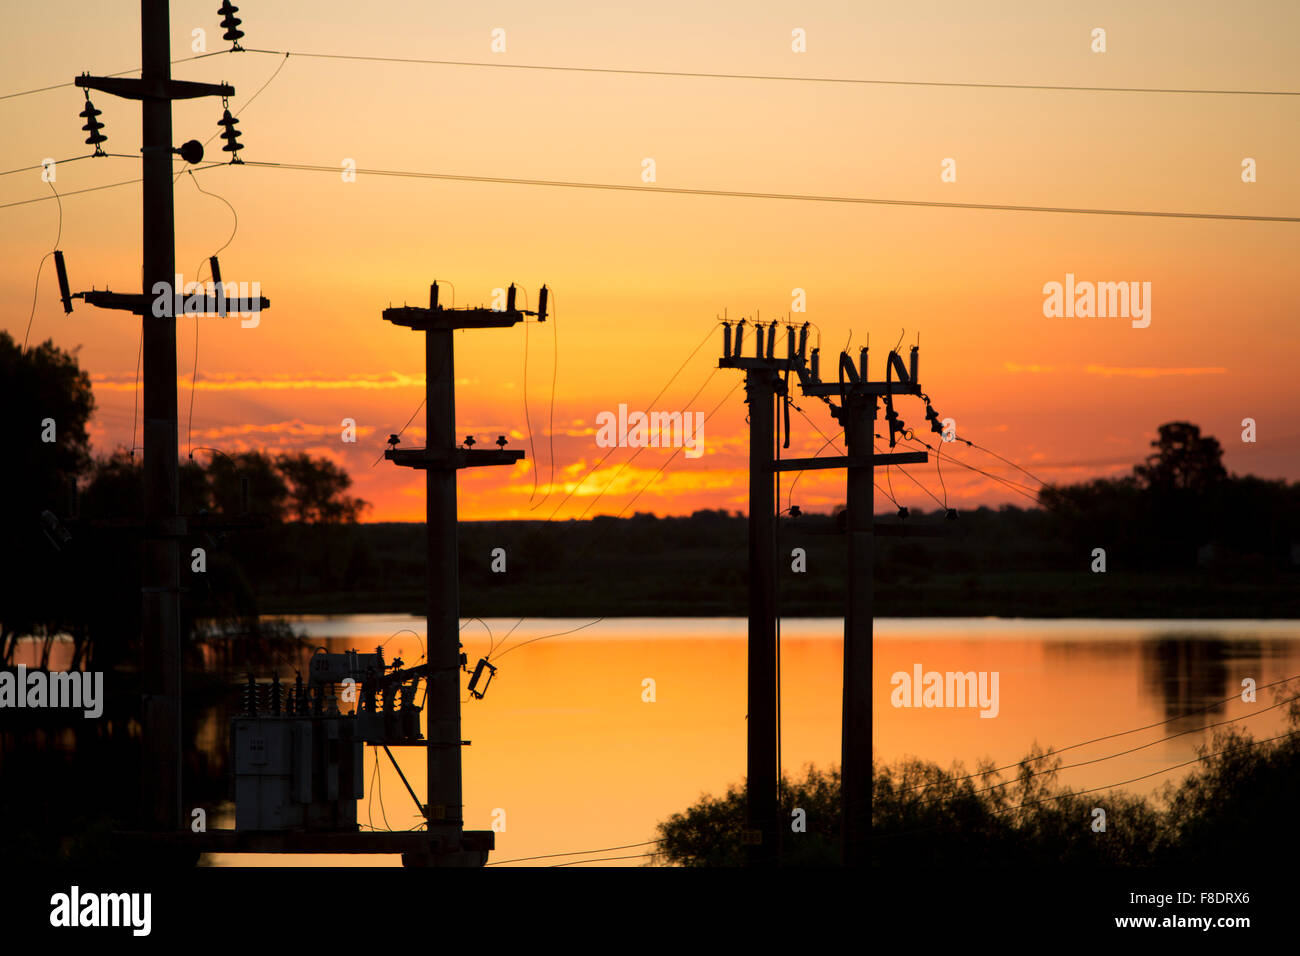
x=1008 y=562
x=1179 y=537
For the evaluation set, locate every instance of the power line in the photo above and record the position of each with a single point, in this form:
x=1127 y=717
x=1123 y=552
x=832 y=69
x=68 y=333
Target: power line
x=653 y=478
x=1015 y=486
x=1154 y=773
x=59 y=86
x=443 y=369
x=555 y=369
x=799 y=474
x=243 y=109
x=938 y=470
x=672 y=378
x=793 y=197
x=548 y=856
x=60 y=162
x=492 y=641
x=853 y=81
x=996 y=455
x=528 y=420
x=74 y=192
x=1133 y=750
x=677 y=452
x=1123 y=733
x=886 y=493
x=1078 y=793
x=41 y=265
x=726 y=193
x=775 y=78
x=591 y=504
x=604 y=859
x=544 y=636
x=197 y=275
x=908 y=474
x=829 y=441
x=402 y=429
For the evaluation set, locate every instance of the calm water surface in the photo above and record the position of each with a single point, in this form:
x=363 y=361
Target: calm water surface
x=564 y=744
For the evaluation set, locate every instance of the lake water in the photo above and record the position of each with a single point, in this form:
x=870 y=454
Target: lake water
x=564 y=744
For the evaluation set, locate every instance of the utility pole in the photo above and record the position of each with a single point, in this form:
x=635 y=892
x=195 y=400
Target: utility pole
x=859 y=401
x=855 y=746
x=763 y=383
x=440 y=460
x=163 y=646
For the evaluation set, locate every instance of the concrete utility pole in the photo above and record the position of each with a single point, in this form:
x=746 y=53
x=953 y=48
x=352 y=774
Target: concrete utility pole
x=441 y=459
x=160 y=592
x=762 y=384
x=761 y=731
x=857 y=413
x=855 y=745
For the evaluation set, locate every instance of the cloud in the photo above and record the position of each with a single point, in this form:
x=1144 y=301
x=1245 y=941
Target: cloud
x=295 y=428
x=1149 y=372
x=1016 y=367
x=232 y=382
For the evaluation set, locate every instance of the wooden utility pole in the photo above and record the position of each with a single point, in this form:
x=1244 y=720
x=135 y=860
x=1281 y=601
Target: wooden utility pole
x=160 y=592
x=440 y=460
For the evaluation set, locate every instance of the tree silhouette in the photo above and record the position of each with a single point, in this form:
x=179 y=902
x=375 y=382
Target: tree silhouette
x=315 y=489
x=1183 y=460
x=45 y=395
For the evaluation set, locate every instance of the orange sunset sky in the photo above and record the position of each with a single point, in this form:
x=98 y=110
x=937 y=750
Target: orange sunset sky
x=639 y=279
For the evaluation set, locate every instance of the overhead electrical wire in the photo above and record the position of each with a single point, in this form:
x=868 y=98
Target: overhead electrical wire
x=599 y=535
x=799 y=474
x=243 y=107
x=40 y=266
x=856 y=81
x=59 y=86
x=631 y=458
x=797 y=197
x=1110 y=786
x=423 y=652
x=849 y=81
x=555 y=367
x=1010 y=482
x=914 y=481
x=672 y=378
x=56 y=163
x=605 y=859
x=675 y=453
x=1014 y=486
x=735 y=194
x=549 y=856
x=442 y=370
x=990 y=451
x=528 y=421
x=72 y=192
x=1154 y=773
x=545 y=636
x=1105 y=737
x=1132 y=750
x=491 y=640
x=198 y=273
